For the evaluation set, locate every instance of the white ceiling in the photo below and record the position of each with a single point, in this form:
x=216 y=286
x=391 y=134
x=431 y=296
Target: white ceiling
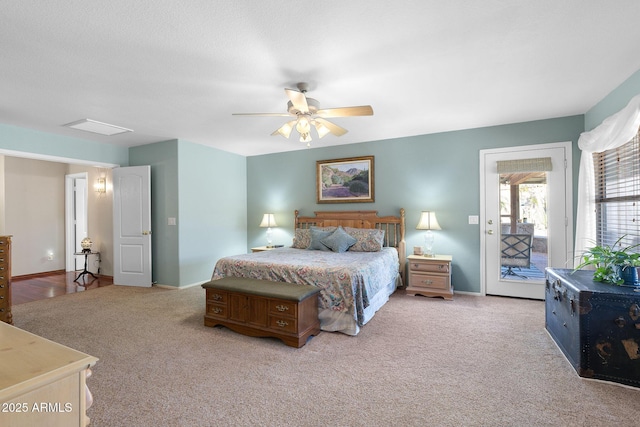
x=178 y=69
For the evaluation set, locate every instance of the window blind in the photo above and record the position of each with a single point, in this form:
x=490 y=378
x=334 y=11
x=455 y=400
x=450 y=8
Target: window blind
x=617 y=178
x=542 y=164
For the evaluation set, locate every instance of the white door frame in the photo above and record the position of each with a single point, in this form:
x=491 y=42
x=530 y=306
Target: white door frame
x=69 y=217
x=568 y=146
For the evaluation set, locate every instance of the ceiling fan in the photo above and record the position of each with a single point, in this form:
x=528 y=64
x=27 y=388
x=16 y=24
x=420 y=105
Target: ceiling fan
x=306 y=113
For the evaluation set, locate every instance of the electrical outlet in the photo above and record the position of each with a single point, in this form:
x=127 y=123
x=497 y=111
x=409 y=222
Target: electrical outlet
x=50 y=256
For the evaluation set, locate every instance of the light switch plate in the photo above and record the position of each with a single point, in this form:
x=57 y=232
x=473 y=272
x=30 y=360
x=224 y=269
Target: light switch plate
x=474 y=219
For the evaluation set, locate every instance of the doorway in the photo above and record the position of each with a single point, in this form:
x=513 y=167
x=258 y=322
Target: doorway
x=76 y=218
x=526 y=217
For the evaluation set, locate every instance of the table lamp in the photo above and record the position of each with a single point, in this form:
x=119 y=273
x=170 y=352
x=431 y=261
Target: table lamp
x=428 y=221
x=268 y=220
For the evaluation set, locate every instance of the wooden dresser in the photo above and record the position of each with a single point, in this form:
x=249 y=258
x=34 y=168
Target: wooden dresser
x=42 y=383
x=5 y=280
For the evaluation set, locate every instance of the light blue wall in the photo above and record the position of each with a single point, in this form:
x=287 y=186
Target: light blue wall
x=613 y=102
x=205 y=190
x=35 y=142
x=437 y=172
x=163 y=159
x=213 y=209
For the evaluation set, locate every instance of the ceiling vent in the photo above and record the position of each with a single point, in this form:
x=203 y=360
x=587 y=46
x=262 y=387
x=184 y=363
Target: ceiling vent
x=94 y=126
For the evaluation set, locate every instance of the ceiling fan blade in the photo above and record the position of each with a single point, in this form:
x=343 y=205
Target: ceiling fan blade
x=263 y=114
x=298 y=99
x=362 y=110
x=285 y=129
x=332 y=127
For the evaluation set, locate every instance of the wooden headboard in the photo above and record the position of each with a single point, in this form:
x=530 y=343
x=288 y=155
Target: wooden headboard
x=393 y=226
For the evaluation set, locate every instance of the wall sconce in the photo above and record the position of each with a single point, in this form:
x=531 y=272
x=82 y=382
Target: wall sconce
x=428 y=222
x=268 y=220
x=101 y=186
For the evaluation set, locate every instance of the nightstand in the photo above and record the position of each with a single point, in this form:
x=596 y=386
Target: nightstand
x=262 y=248
x=430 y=276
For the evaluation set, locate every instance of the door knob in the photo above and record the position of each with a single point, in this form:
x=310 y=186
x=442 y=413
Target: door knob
x=146 y=232
x=490 y=222
x=489 y=231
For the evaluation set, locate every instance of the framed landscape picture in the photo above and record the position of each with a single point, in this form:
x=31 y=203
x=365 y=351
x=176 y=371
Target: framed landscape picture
x=345 y=180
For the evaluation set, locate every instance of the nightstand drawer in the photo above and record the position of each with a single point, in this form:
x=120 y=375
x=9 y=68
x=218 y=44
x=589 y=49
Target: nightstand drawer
x=428 y=281
x=429 y=267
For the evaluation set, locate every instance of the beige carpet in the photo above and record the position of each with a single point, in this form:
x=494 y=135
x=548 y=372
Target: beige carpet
x=474 y=361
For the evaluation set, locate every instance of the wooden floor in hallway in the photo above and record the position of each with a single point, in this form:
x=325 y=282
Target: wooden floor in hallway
x=39 y=287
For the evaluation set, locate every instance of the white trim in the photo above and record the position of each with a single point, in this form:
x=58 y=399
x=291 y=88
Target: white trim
x=37 y=156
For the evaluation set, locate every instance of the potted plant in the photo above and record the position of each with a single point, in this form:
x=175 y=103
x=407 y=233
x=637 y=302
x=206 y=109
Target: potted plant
x=613 y=264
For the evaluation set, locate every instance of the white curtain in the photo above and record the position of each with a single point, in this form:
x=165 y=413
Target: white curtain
x=614 y=131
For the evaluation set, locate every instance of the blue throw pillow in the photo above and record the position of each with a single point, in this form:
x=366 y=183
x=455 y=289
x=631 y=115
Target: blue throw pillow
x=339 y=241
x=316 y=237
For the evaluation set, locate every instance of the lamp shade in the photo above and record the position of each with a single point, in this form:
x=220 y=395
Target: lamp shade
x=428 y=221
x=268 y=220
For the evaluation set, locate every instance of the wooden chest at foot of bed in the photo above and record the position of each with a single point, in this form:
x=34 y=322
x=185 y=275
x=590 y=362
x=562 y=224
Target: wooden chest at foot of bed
x=596 y=325
x=260 y=308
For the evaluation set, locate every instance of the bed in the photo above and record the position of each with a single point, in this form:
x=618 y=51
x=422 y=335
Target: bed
x=354 y=283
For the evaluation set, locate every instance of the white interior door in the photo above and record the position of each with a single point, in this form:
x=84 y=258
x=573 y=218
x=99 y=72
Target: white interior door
x=551 y=242
x=132 y=226
x=76 y=218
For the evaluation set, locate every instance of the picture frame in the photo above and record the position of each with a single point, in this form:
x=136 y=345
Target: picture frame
x=348 y=180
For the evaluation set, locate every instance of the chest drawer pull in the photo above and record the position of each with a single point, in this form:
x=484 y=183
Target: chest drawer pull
x=281 y=307
x=620 y=322
x=427 y=282
x=216 y=297
x=217 y=310
x=282 y=323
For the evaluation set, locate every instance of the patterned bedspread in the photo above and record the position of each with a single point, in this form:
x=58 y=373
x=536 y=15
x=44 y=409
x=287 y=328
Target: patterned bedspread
x=346 y=280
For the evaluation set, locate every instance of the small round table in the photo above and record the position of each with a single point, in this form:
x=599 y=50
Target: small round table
x=86 y=257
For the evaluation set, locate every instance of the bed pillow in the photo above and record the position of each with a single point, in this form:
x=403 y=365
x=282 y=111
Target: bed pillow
x=317 y=235
x=339 y=241
x=368 y=239
x=302 y=236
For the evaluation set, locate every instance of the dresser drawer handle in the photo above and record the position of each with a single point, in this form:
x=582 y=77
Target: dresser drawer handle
x=620 y=322
x=427 y=282
x=217 y=310
x=216 y=297
x=282 y=323
x=281 y=307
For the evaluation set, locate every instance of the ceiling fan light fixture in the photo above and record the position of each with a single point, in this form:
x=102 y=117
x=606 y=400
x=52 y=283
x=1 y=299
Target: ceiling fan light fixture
x=305 y=137
x=321 y=129
x=285 y=129
x=303 y=125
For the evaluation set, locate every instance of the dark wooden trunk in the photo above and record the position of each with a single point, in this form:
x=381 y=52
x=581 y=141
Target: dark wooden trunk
x=596 y=325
